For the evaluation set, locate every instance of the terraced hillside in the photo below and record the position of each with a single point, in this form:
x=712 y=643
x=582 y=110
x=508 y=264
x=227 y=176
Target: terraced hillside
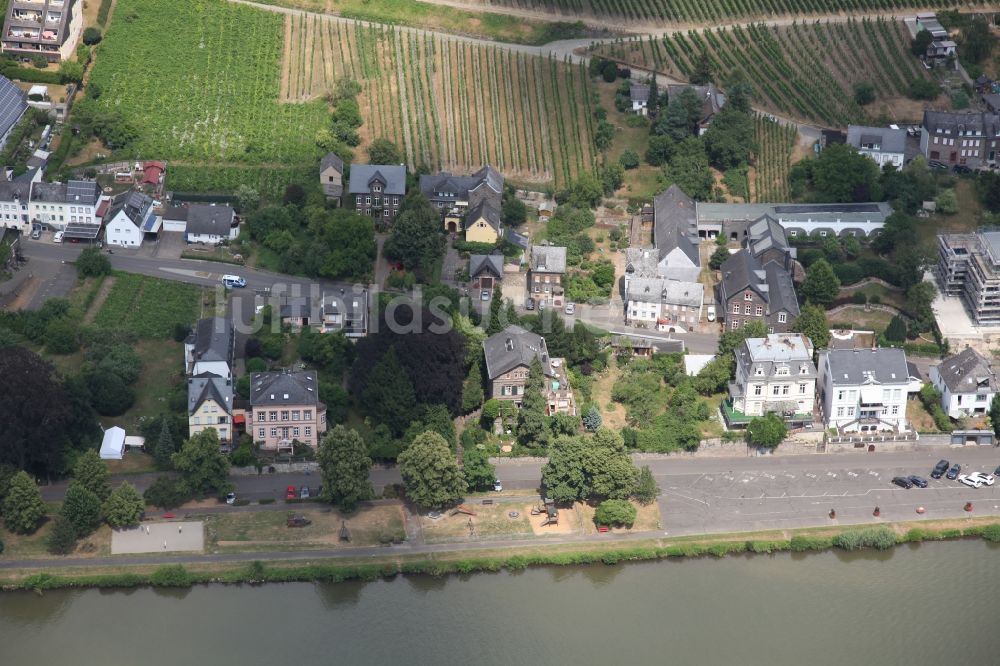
x=448 y=103
x=712 y=11
x=804 y=71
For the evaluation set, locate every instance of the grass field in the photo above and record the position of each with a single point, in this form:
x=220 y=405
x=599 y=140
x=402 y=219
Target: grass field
x=201 y=80
x=805 y=70
x=147 y=306
x=707 y=11
x=447 y=103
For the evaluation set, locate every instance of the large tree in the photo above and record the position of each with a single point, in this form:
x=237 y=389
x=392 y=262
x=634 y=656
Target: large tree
x=417 y=239
x=23 y=508
x=430 y=472
x=348 y=240
x=383 y=151
x=532 y=429
x=389 y=396
x=81 y=508
x=34 y=411
x=821 y=285
x=203 y=468
x=345 y=466
x=478 y=470
x=91 y=473
x=730 y=140
x=767 y=431
x=433 y=356
x=164 y=448
x=582 y=468
x=124 y=507
x=813 y=324
x=842 y=174
x=688 y=169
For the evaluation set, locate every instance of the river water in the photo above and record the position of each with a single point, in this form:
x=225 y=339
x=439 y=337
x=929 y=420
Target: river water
x=929 y=604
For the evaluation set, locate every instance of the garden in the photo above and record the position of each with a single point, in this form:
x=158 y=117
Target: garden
x=148 y=307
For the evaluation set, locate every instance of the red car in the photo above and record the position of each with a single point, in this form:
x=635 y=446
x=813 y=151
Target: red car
x=291 y=493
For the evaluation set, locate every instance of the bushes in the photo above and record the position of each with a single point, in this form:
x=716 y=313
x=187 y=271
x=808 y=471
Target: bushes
x=879 y=538
x=615 y=513
x=171 y=575
x=801 y=543
x=992 y=533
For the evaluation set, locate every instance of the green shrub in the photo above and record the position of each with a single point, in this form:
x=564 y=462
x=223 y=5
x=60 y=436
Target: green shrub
x=801 y=544
x=62 y=538
x=171 y=575
x=266 y=500
x=615 y=513
x=879 y=538
x=991 y=533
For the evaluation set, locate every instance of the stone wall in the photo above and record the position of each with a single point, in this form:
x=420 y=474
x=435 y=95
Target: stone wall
x=279 y=468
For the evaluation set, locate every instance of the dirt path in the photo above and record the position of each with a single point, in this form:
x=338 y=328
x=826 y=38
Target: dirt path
x=98 y=302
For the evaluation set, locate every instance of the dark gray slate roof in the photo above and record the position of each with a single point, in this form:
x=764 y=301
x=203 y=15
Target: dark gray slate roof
x=13 y=104
x=712 y=99
x=393 y=175
x=331 y=160
x=954 y=121
x=135 y=205
x=548 y=259
x=487 y=211
x=284 y=388
x=520 y=240
x=886 y=365
x=484 y=185
x=888 y=139
x=52 y=192
x=296 y=308
x=773 y=283
x=213 y=340
x=675 y=223
x=513 y=347
x=10 y=190
x=765 y=234
x=967 y=372
x=208 y=386
x=639 y=92
x=205 y=219
x=486 y=263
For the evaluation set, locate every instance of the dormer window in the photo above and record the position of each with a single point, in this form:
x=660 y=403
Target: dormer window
x=803 y=369
x=759 y=372
x=748 y=296
x=377 y=188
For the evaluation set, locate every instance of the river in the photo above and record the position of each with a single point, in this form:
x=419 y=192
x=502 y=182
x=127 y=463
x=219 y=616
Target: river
x=926 y=604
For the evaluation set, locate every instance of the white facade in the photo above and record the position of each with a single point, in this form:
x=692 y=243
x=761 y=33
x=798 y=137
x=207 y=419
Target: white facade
x=775 y=374
x=57 y=214
x=122 y=231
x=213 y=239
x=957 y=405
x=664 y=302
x=864 y=390
x=967 y=383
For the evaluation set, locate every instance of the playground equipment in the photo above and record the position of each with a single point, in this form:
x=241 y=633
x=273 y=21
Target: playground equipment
x=295 y=520
x=461 y=508
x=548 y=508
x=345 y=535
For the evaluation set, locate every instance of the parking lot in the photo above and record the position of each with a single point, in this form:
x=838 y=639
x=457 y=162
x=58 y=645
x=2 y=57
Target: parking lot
x=802 y=495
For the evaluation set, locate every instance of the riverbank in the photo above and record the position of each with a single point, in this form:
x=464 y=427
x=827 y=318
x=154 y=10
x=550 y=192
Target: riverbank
x=391 y=564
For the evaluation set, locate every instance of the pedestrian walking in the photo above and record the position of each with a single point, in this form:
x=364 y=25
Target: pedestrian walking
x=164 y=545
x=179 y=529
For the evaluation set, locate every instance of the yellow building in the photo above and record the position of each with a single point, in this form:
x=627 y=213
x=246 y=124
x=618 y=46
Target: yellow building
x=210 y=405
x=482 y=224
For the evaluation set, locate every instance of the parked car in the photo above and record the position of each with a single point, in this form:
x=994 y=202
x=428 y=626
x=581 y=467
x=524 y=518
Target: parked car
x=529 y=304
x=233 y=282
x=940 y=166
x=997 y=471
x=902 y=482
x=940 y=469
x=711 y=313
x=977 y=479
x=497 y=485
x=230 y=498
x=918 y=481
x=961 y=169
x=58 y=237
x=304 y=492
x=953 y=472
x=36 y=234
x=541 y=304
x=290 y=492
x=570 y=308
x=485 y=295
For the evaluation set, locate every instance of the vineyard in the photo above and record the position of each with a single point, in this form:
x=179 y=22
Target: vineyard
x=772 y=161
x=269 y=181
x=713 y=11
x=200 y=80
x=449 y=104
x=803 y=70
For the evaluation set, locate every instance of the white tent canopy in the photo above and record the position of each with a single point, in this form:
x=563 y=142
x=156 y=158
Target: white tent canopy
x=113 y=446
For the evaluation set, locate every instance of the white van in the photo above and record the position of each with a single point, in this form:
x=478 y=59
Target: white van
x=233 y=282
x=711 y=312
